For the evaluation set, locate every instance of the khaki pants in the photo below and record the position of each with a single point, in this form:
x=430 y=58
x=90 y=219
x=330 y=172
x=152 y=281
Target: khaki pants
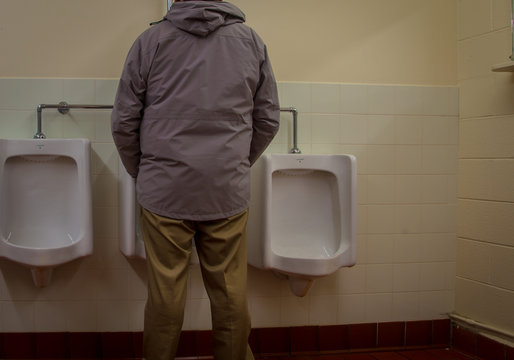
x=221 y=247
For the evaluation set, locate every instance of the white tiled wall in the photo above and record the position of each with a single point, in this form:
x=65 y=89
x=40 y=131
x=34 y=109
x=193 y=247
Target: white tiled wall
x=405 y=141
x=485 y=245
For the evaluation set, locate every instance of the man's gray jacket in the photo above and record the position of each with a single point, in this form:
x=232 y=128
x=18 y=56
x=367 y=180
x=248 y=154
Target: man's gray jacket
x=196 y=105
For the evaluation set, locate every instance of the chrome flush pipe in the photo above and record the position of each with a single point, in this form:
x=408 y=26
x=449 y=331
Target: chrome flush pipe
x=294 y=111
x=63 y=107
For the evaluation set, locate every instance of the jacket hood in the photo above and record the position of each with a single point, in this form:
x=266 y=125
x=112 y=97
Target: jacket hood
x=203 y=17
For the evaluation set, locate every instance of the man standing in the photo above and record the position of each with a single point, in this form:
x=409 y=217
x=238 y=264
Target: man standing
x=196 y=106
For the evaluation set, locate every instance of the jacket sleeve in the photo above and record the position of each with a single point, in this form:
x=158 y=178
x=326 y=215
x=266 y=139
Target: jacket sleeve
x=128 y=109
x=266 y=112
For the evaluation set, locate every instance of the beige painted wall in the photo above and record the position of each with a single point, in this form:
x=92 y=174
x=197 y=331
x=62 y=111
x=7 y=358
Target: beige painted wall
x=372 y=41
x=485 y=248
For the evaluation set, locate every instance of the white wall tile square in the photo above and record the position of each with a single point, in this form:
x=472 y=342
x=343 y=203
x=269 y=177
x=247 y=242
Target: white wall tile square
x=49 y=316
x=323 y=310
x=380 y=248
x=354 y=129
x=354 y=99
x=409 y=129
x=381 y=189
x=294 y=311
x=408 y=189
x=379 y=307
x=381 y=159
x=105 y=91
x=79 y=91
x=410 y=100
x=326 y=98
x=265 y=311
x=408 y=219
x=381 y=99
x=408 y=159
x=381 y=129
x=326 y=129
x=406 y=306
x=18 y=316
x=379 y=278
x=352 y=309
x=406 y=277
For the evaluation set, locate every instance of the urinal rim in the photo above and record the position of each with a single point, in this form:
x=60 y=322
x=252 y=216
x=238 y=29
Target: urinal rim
x=21 y=247
x=340 y=251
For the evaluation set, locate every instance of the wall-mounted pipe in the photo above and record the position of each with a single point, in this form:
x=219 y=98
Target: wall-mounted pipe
x=295 y=149
x=63 y=107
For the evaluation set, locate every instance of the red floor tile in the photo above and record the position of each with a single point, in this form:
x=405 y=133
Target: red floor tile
x=443 y=354
x=417 y=355
x=328 y=357
x=387 y=356
x=358 y=357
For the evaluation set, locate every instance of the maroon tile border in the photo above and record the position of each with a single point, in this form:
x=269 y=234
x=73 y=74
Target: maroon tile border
x=441 y=332
x=303 y=340
x=488 y=349
x=204 y=343
x=464 y=340
x=333 y=338
x=187 y=344
x=418 y=333
x=52 y=346
x=137 y=338
x=114 y=345
x=2 y=355
x=387 y=355
x=253 y=341
x=274 y=340
x=362 y=336
x=509 y=353
x=19 y=345
x=391 y=334
x=84 y=345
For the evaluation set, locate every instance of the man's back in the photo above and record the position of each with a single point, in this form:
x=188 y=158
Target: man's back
x=199 y=95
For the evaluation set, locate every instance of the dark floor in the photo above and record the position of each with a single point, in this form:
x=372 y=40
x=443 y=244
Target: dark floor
x=428 y=354
x=425 y=354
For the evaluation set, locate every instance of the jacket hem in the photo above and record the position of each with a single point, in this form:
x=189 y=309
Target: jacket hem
x=195 y=217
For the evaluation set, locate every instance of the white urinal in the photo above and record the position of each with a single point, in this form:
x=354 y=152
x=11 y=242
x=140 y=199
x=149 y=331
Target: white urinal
x=45 y=203
x=131 y=238
x=303 y=221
